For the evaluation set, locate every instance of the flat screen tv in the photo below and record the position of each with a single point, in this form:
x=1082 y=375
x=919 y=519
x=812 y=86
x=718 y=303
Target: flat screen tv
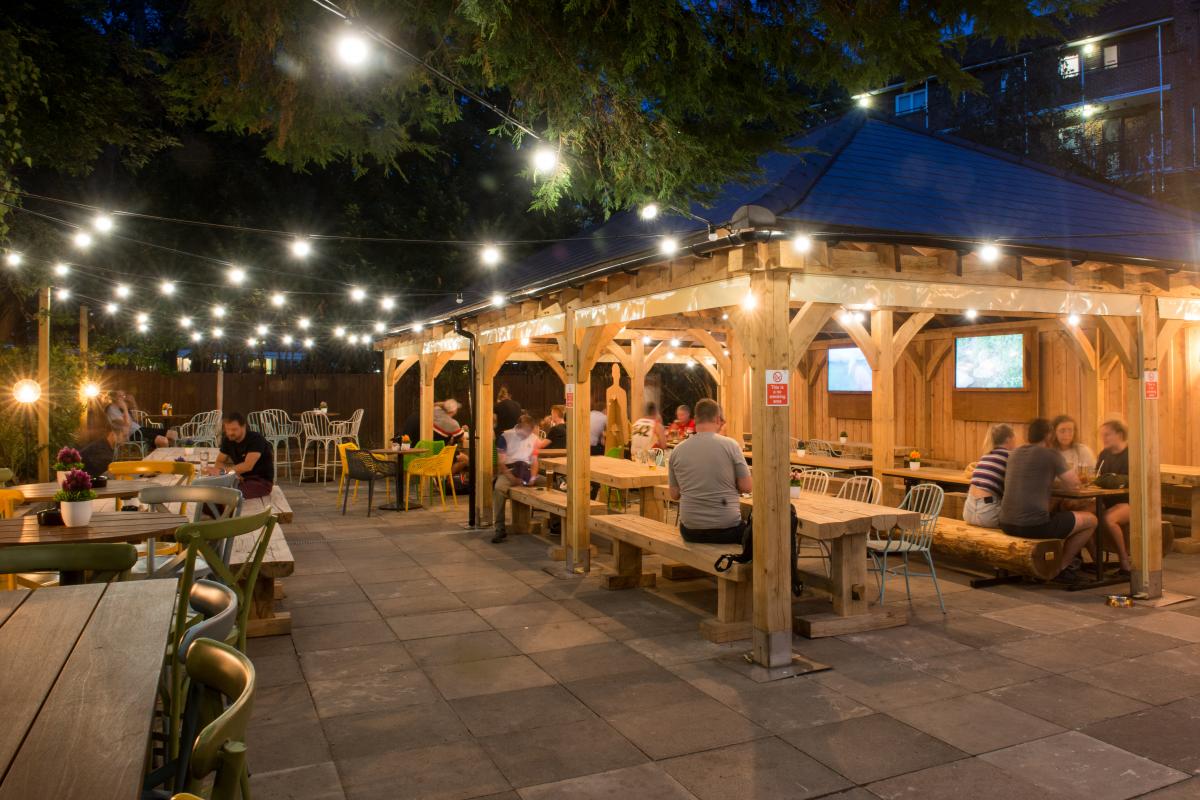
x=990 y=362
x=848 y=370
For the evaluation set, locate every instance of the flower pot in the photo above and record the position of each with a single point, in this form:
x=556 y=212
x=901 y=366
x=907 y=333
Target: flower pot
x=795 y=491
x=842 y=439
x=76 y=514
x=801 y=452
x=914 y=465
x=404 y=446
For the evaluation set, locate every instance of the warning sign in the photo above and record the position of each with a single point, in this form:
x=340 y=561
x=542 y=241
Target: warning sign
x=778 y=383
x=570 y=395
x=1150 y=381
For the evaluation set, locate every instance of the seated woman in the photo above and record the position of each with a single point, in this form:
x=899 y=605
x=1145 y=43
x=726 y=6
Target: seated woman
x=1064 y=438
x=1114 y=460
x=982 y=507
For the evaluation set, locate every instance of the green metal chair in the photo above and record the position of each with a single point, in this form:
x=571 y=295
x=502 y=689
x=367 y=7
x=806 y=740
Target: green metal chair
x=76 y=563
x=225 y=679
x=6 y=475
x=609 y=492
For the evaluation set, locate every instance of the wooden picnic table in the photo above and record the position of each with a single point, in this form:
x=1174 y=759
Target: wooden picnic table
x=844 y=524
x=552 y=452
x=839 y=463
x=44 y=492
x=106 y=526
x=81 y=667
x=956 y=477
x=1189 y=478
x=620 y=473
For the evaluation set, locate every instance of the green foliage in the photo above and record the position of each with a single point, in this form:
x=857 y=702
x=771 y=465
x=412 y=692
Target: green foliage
x=18 y=425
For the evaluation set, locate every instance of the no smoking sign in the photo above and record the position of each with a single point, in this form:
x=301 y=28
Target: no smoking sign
x=778 y=383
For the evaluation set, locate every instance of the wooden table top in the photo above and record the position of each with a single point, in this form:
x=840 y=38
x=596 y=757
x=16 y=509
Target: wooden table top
x=82 y=666
x=1180 y=474
x=44 y=492
x=1087 y=492
x=387 y=451
x=930 y=474
x=618 y=473
x=552 y=452
x=175 y=453
x=829 y=462
x=106 y=526
x=825 y=517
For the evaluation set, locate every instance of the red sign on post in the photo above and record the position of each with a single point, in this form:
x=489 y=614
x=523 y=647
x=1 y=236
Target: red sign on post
x=570 y=395
x=1150 y=381
x=778 y=383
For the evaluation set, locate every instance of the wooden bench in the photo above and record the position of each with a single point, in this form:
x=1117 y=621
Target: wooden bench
x=634 y=535
x=278 y=562
x=1035 y=558
x=276 y=502
x=524 y=499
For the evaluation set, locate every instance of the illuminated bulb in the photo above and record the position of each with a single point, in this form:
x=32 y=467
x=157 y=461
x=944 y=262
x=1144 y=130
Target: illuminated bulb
x=749 y=302
x=674 y=343
x=988 y=253
x=645 y=340
x=143 y=318
x=236 y=275
x=490 y=256
x=1088 y=111
x=869 y=306
x=102 y=223
x=353 y=338
x=971 y=314
x=858 y=317
x=497 y=299
x=387 y=303
x=380 y=327
x=863 y=100
x=339 y=331
x=801 y=243
x=217 y=333
x=1089 y=49
x=121 y=291
x=278 y=299
x=301 y=248
x=726 y=352
x=649 y=211
x=524 y=341
x=112 y=308
x=13 y=259
x=251 y=342
x=261 y=330
x=690 y=364
x=352 y=49
x=143 y=327
x=197 y=336
x=418 y=327
x=544 y=160
x=167 y=288
x=83 y=240
x=1073 y=320
x=27 y=391
x=358 y=294
x=61 y=269
x=669 y=246
x=366 y=340
x=185 y=322
x=308 y=342
x=91 y=390
x=64 y=293
x=304 y=322
x=671 y=354
x=218 y=311
x=287 y=339
x=725 y=315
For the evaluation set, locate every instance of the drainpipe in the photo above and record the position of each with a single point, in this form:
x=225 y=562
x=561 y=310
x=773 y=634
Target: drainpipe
x=473 y=436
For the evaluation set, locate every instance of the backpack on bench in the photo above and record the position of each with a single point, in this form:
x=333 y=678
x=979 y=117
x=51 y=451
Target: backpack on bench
x=725 y=562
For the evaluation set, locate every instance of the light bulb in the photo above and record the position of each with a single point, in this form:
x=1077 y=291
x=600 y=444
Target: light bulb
x=278 y=299
x=648 y=211
x=418 y=327
x=1073 y=320
x=13 y=259
x=544 y=159
x=988 y=253
x=167 y=288
x=801 y=243
x=387 y=303
x=645 y=340
x=497 y=299
x=971 y=314
x=352 y=49
x=83 y=240
x=64 y=293
x=218 y=312
x=303 y=323
x=1088 y=111
x=749 y=302
x=380 y=327
x=358 y=294
x=121 y=291
x=143 y=327
x=287 y=339
x=91 y=390
x=61 y=269
x=27 y=391
x=301 y=248
x=308 y=342
x=197 y=336
x=261 y=330
x=339 y=331
x=669 y=246
x=236 y=275
x=863 y=100
x=112 y=308
x=490 y=255
x=251 y=342
x=690 y=364
x=674 y=343
x=185 y=322
x=103 y=223
x=143 y=318
x=217 y=333
x=353 y=338
x=524 y=341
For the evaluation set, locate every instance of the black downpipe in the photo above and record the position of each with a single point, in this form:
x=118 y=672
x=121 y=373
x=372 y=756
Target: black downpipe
x=473 y=435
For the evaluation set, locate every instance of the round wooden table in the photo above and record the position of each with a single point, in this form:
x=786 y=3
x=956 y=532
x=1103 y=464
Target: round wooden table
x=401 y=483
x=44 y=492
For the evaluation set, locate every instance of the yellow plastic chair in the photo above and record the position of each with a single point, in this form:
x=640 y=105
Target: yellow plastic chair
x=9 y=500
x=343 y=449
x=128 y=470
x=432 y=467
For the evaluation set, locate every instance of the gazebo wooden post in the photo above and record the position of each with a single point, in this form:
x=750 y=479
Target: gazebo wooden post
x=1145 y=474
x=735 y=405
x=768 y=349
x=43 y=402
x=393 y=371
x=637 y=377
x=432 y=365
x=488 y=360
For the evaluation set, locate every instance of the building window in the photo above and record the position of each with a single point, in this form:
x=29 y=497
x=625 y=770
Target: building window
x=909 y=102
x=1110 y=56
x=1068 y=66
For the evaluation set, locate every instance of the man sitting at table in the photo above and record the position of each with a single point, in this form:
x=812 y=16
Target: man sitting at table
x=683 y=423
x=1028 y=488
x=516 y=462
x=99 y=451
x=250 y=455
x=707 y=476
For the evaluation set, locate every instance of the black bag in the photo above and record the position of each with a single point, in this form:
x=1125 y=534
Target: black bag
x=725 y=562
x=1112 y=481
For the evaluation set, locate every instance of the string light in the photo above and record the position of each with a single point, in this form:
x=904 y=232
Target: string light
x=339 y=331
x=497 y=299
x=121 y=291
x=102 y=223
x=1088 y=111
x=27 y=391
x=64 y=293
x=91 y=390
x=544 y=160
x=287 y=339
x=648 y=211
x=418 y=327
x=645 y=340
x=197 y=336
x=185 y=322
x=971 y=314
x=669 y=246
x=167 y=288
x=251 y=342
x=353 y=338
x=143 y=327
x=725 y=315
x=863 y=100
x=380 y=327
x=989 y=253
x=524 y=341
x=278 y=299
x=142 y=318
x=387 y=303
x=218 y=312
x=13 y=259
x=1073 y=320
x=352 y=50
x=235 y=275
x=112 y=308
x=674 y=343
x=749 y=302
x=801 y=243
x=301 y=248
x=303 y=323
x=261 y=330
x=61 y=269
x=217 y=333
x=490 y=255
x=83 y=240
x=308 y=342
x=358 y=294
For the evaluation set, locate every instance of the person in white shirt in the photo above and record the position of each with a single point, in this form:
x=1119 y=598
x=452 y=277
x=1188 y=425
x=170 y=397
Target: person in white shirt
x=516 y=463
x=599 y=425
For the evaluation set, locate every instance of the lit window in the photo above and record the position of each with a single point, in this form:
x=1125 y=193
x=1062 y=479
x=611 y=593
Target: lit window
x=1003 y=82
x=1068 y=66
x=909 y=102
x=1110 y=56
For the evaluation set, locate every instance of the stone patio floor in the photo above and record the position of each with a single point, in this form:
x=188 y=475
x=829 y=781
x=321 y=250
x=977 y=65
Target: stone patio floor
x=426 y=662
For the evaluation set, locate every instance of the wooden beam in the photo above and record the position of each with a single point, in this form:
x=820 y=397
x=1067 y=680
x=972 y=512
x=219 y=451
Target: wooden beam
x=1166 y=335
x=1121 y=342
x=1085 y=351
x=805 y=325
x=622 y=357
x=858 y=334
x=907 y=331
x=883 y=391
x=553 y=363
x=655 y=355
x=938 y=350
x=1081 y=344
x=576 y=538
x=709 y=342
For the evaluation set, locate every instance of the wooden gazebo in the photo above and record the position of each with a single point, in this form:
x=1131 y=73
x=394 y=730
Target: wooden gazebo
x=879 y=237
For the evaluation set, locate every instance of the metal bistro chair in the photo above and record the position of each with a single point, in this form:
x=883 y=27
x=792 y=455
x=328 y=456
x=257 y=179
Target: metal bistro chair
x=814 y=481
x=861 y=488
x=362 y=466
x=221 y=502
x=820 y=447
x=925 y=498
x=202 y=429
x=347 y=430
x=278 y=431
x=319 y=433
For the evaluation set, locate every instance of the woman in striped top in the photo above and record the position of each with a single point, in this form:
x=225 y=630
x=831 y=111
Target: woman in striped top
x=987 y=481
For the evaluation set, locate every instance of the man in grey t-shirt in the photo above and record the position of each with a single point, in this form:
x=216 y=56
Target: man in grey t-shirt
x=707 y=475
x=1028 y=486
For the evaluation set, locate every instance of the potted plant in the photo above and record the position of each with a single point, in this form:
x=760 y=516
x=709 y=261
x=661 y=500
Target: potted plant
x=405 y=442
x=843 y=437
x=914 y=459
x=75 y=499
x=795 y=483
x=67 y=459
x=801 y=448
x=324 y=406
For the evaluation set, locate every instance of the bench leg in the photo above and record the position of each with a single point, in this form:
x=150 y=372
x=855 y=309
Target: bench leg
x=264 y=619
x=734 y=604
x=627 y=561
x=522 y=515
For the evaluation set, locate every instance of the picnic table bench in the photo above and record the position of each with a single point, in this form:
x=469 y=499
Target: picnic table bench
x=276 y=502
x=633 y=535
x=524 y=499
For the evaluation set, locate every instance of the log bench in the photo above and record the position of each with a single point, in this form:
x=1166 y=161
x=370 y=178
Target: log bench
x=524 y=499
x=632 y=536
x=1008 y=555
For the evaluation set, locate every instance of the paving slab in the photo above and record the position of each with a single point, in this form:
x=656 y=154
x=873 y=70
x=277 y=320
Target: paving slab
x=969 y=778
x=687 y=727
x=766 y=769
x=557 y=752
x=554 y=636
x=866 y=749
x=491 y=676
x=645 y=782
x=974 y=723
x=1065 y=701
x=454 y=771
x=1166 y=734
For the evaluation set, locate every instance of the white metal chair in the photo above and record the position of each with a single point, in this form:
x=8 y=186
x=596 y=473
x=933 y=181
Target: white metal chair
x=820 y=447
x=319 y=433
x=203 y=429
x=862 y=488
x=925 y=498
x=348 y=429
x=814 y=481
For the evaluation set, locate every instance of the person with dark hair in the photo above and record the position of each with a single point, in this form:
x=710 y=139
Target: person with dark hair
x=982 y=506
x=246 y=453
x=508 y=411
x=120 y=416
x=556 y=432
x=707 y=476
x=1028 y=487
x=100 y=449
x=516 y=465
x=1114 y=460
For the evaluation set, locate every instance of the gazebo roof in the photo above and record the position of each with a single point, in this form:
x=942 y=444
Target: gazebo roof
x=873 y=178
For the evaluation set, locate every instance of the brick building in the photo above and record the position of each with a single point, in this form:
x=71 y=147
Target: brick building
x=1117 y=92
